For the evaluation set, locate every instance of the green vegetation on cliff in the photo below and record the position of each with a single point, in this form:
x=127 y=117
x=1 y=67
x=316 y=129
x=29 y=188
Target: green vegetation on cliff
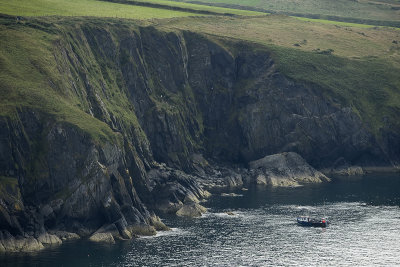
x=358 y=67
x=370 y=86
x=30 y=78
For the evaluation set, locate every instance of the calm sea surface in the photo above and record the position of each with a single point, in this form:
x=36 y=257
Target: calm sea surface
x=364 y=231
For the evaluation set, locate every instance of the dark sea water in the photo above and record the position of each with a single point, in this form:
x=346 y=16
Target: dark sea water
x=364 y=231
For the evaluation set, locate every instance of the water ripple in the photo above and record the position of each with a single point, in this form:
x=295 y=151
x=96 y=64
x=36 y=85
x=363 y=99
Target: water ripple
x=269 y=236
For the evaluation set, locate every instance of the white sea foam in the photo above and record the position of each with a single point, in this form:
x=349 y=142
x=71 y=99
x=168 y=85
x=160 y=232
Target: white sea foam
x=171 y=232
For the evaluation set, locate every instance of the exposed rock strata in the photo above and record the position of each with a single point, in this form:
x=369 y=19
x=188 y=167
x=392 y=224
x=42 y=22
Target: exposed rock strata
x=174 y=188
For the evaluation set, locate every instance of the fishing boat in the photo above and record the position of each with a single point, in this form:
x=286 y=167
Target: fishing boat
x=312 y=222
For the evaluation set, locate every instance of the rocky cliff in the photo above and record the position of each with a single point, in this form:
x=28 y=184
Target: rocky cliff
x=118 y=114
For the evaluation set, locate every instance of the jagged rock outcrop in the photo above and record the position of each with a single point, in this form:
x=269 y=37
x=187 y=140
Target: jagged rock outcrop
x=136 y=109
x=284 y=169
x=192 y=210
x=75 y=185
x=173 y=189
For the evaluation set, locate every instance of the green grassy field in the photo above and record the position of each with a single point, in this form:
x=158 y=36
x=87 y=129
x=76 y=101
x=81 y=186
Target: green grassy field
x=84 y=8
x=338 y=23
x=195 y=7
x=98 y=8
x=279 y=30
x=388 y=10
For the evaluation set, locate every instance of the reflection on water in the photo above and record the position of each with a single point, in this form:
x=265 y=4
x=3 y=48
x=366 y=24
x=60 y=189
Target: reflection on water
x=364 y=230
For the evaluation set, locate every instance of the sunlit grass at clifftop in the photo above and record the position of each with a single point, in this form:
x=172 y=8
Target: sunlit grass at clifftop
x=85 y=8
x=344 y=40
x=123 y=9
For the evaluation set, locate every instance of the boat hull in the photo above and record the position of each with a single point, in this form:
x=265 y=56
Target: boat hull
x=311 y=222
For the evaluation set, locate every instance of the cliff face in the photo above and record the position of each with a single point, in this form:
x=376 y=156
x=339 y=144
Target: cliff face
x=157 y=97
x=57 y=177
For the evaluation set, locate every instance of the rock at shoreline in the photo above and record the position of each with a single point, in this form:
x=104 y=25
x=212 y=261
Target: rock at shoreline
x=219 y=176
x=172 y=189
x=285 y=170
x=116 y=230
x=31 y=244
x=191 y=210
x=142 y=230
x=102 y=237
x=63 y=235
x=346 y=171
x=49 y=239
x=234 y=180
x=8 y=243
x=191 y=198
x=158 y=224
x=343 y=168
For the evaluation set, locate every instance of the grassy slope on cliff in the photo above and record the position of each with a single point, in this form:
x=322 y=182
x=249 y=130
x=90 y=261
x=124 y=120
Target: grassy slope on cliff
x=30 y=78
